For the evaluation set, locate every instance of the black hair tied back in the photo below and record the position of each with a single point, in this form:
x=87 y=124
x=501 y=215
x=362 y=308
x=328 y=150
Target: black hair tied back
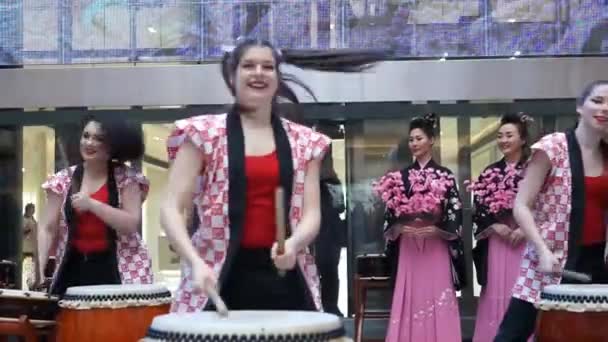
x=427 y=123
x=340 y=60
x=521 y=120
x=432 y=119
x=124 y=140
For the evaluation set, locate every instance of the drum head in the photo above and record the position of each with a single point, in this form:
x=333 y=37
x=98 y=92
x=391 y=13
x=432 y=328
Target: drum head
x=82 y=297
x=587 y=297
x=116 y=290
x=247 y=326
x=577 y=290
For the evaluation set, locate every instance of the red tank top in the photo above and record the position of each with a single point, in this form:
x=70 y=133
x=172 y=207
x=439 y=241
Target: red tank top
x=91 y=235
x=262 y=174
x=596 y=205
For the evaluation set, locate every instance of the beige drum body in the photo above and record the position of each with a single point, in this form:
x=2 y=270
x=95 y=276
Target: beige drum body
x=248 y=326
x=573 y=313
x=117 y=313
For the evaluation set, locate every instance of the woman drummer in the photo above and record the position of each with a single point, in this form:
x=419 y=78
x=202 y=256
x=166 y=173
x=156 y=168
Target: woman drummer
x=562 y=207
x=94 y=210
x=243 y=157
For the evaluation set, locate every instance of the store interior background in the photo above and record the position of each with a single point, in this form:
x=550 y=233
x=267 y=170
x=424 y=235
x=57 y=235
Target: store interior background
x=469 y=61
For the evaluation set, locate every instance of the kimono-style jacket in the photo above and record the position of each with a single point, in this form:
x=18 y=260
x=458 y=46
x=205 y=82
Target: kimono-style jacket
x=558 y=212
x=483 y=219
x=219 y=198
x=132 y=258
x=450 y=224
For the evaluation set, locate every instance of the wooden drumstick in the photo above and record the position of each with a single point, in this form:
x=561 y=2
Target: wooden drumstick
x=220 y=306
x=63 y=156
x=280 y=221
x=582 y=277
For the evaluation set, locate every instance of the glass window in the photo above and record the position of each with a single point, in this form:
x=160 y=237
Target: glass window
x=40 y=31
x=101 y=31
x=38 y=163
x=165 y=263
x=171 y=26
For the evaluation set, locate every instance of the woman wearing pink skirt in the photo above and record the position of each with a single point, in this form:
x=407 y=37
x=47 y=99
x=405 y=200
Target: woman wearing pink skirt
x=500 y=242
x=424 y=229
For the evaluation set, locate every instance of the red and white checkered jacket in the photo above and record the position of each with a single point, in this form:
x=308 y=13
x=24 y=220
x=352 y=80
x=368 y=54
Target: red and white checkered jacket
x=552 y=216
x=134 y=263
x=211 y=239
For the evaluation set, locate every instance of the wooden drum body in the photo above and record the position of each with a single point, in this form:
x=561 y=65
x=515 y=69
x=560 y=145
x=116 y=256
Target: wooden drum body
x=38 y=307
x=117 y=313
x=248 y=326
x=573 y=313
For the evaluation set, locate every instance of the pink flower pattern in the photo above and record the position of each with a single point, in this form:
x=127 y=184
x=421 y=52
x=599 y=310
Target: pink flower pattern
x=427 y=189
x=496 y=188
x=427 y=196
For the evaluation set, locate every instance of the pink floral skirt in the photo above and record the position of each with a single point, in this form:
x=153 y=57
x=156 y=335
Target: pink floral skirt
x=425 y=307
x=504 y=263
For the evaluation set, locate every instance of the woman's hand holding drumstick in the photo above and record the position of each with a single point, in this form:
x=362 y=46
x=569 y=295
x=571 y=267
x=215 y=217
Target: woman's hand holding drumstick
x=220 y=306
x=581 y=277
x=182 y=179
x=204 y=281
x=283 y=253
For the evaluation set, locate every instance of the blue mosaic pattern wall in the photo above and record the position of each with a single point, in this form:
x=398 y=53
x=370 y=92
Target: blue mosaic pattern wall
x=104 y=31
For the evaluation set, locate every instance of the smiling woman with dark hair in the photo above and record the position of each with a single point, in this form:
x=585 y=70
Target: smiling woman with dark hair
x=234 y=162
x=561 y=207
x=423 y=229
x=500 y=242
x=95 y=209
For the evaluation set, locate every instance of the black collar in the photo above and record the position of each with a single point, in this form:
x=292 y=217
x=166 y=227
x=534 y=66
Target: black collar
x=577 y=200
x=238 y=182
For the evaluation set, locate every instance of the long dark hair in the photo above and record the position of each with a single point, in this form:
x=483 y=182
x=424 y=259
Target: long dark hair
x=124 y=141
x=343 y=60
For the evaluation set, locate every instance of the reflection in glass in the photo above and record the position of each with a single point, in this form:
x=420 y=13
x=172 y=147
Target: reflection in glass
x=165 y=263
x=109 y=31
x=40 y=28
x=38 y=164
x=10 y=32
x=484 y=151
x=585 y=26
x=372 y=147
x=100 y=25
x=339 y=164
x=169 y=26
x=218 y=26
